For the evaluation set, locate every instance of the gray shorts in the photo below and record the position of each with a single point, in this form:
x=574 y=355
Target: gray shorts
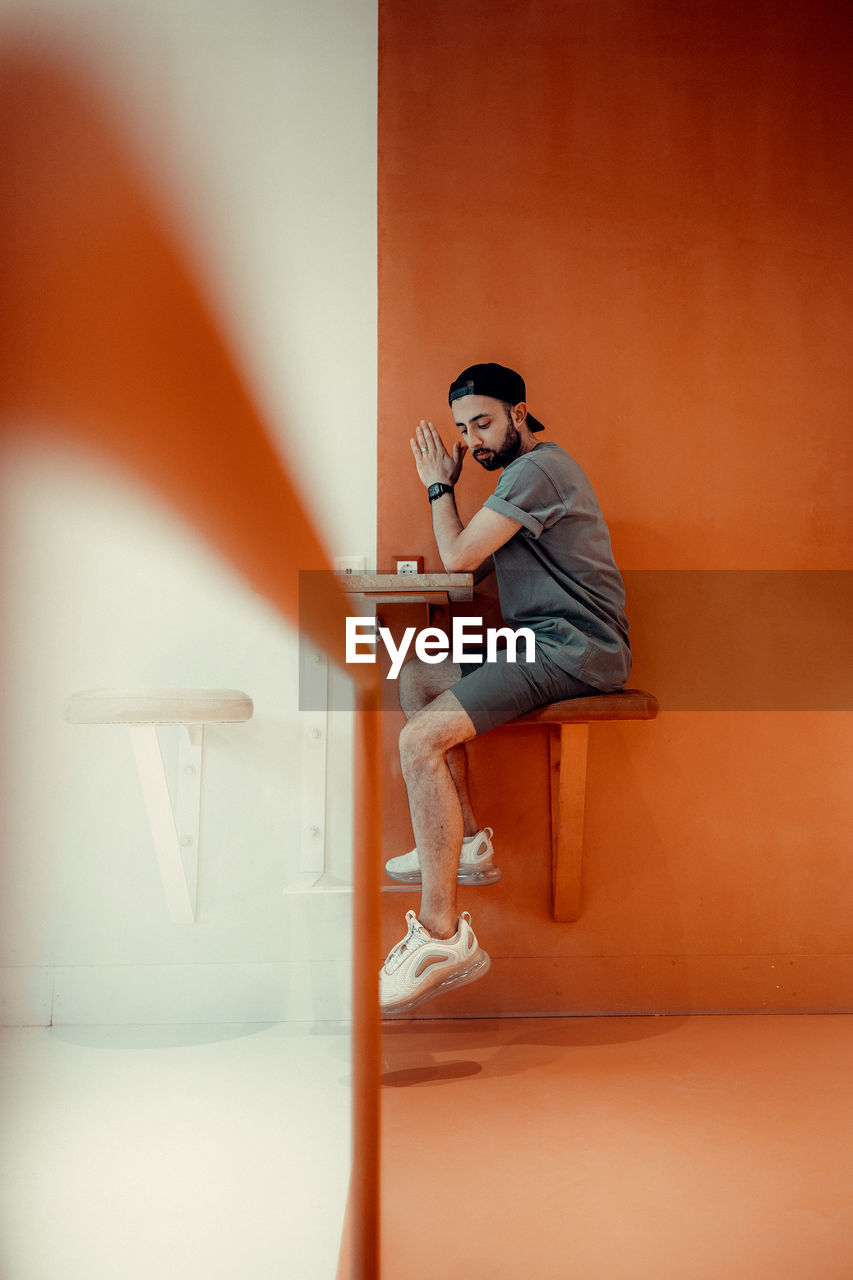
x=494 y=692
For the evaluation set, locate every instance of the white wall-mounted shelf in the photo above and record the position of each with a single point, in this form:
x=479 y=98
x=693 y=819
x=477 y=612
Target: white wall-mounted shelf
x=174 y=814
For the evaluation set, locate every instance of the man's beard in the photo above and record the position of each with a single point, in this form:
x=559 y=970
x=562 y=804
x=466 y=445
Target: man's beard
x=508 y=450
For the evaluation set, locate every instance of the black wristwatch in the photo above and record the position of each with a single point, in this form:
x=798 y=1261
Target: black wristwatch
x=436 y=490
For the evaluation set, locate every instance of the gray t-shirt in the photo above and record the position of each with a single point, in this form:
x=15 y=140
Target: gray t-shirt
x=557 y=575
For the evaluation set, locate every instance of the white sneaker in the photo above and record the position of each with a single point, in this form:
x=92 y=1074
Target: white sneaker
x=476 y=862
x=421 y=966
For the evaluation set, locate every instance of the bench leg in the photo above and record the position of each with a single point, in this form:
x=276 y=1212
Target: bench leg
x=568 y=750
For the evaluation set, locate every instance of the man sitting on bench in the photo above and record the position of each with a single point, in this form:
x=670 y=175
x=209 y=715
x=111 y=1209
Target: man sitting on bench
x=544 y=530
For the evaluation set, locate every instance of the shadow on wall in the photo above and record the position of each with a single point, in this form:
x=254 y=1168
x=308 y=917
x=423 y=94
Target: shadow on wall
x=105 y=339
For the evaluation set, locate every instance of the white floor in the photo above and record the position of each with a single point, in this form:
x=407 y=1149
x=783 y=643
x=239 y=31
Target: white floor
x=173 y=1153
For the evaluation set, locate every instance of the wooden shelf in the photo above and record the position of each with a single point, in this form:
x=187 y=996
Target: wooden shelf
x=416 y=586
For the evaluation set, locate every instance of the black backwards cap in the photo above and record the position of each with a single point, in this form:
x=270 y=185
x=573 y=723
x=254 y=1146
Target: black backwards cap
x=493 y=380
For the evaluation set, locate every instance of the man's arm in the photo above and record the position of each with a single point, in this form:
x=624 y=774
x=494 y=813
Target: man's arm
x=462 y=548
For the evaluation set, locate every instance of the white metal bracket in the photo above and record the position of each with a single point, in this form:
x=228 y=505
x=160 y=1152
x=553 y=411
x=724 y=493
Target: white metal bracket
x=174 y=817
x=312 y=833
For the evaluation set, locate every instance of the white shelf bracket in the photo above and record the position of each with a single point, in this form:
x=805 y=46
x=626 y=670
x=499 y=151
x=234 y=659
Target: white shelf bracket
x=173 y=814
x=312 y=842
x=174 y=820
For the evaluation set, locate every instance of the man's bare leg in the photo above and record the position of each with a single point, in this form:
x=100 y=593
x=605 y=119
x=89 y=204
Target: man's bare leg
x=434 y=804
x=420 y=684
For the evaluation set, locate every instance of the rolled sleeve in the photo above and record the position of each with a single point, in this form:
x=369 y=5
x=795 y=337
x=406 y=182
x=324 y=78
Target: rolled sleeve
x=505 y=508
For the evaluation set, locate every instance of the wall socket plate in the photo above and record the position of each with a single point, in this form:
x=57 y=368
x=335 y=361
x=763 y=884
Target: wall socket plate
x=408 y=564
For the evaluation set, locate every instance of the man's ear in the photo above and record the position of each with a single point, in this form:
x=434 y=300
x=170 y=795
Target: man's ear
x=519 y=413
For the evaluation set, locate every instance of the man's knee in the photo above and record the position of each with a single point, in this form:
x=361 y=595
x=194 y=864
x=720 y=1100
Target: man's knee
x=421 y=683
x=429 y=733
x=416 y=744
x=410 y=687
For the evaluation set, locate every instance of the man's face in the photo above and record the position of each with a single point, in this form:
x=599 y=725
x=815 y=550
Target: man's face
x=488 y=430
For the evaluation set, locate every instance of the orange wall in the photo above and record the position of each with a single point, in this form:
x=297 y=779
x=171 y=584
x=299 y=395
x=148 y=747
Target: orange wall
x=645 y=206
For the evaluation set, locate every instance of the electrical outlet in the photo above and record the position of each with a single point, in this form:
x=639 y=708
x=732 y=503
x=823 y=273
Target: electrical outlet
x=349 y=564
x=409 y=564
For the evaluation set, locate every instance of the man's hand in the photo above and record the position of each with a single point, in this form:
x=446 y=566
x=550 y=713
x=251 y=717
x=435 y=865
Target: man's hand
x=434 y=463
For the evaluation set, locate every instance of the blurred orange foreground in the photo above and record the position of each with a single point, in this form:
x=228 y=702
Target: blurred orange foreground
x=105 y=342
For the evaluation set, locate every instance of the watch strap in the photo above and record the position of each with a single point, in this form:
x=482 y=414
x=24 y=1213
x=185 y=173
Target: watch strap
x=437 y=489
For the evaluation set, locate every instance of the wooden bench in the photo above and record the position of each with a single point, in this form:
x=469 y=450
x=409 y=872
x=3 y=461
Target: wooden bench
x=568 y=732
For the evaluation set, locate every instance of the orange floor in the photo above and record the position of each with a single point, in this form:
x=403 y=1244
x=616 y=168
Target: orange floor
x=648 y=1148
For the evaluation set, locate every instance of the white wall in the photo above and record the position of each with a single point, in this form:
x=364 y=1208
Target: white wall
x=258 y=123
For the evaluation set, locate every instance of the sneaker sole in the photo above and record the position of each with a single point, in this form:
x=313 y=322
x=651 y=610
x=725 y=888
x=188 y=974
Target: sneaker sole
x=459 y=978
x=490 y=876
